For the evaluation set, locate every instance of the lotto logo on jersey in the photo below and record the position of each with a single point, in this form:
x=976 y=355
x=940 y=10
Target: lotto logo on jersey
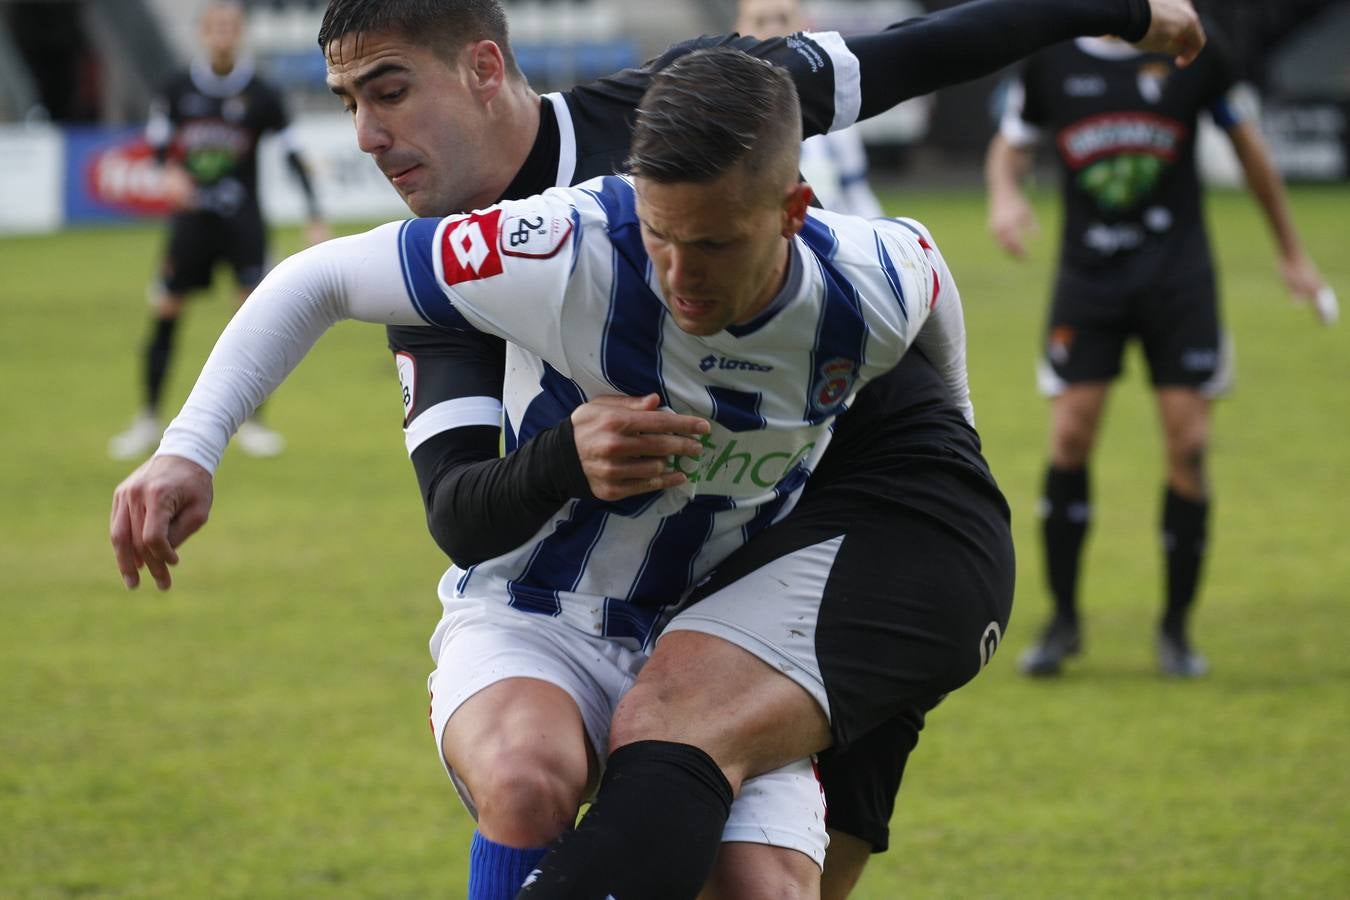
x=469 y=248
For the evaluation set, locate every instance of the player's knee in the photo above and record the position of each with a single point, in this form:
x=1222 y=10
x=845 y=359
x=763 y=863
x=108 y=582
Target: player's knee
x=644 y=714
x=1187 y=451
x=528 y=799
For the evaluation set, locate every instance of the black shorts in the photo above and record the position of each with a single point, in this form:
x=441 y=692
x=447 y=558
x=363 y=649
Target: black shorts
x=881 y=604
x=1176 y=321
x=199 y=240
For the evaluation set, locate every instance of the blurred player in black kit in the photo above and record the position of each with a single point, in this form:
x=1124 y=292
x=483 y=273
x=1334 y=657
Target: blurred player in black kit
x=1134 y=263
x=205 y=130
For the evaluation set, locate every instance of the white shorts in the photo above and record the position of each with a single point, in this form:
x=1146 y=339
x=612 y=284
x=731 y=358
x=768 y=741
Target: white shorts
x=772 y=614
x=481 y=641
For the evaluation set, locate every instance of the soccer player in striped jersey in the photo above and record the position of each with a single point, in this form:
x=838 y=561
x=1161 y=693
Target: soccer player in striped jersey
x=576 y=136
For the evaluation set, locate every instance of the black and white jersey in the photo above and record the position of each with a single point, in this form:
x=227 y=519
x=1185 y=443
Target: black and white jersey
x=213 y=124
x=1123 y=126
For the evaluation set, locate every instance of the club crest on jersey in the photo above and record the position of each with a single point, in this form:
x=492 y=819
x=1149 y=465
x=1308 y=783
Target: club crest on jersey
x=1151 y=78
x=535 y=237
x=834 y=385
x=469 y=248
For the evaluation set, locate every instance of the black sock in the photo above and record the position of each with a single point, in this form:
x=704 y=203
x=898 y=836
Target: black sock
x=652 y=833
x=157 y=352
x=1184 y=530
x=1065 y=516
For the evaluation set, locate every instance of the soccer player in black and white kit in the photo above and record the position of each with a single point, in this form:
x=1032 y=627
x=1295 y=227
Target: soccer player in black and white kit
x=472 y=144
x=205 y=129
x=1134 y=264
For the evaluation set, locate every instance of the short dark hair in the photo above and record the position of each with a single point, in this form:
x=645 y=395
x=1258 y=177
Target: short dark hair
x=711 y=111
x=444 y=26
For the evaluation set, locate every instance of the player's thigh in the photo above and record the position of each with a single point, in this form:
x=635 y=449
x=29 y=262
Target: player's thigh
x=760 y=872
x=1183 y=336
x=861 y=781
x=1085 y=333
x=870 y=605
x=247 y=248
x=783 y=810
x=515 y=686
x=196 y=241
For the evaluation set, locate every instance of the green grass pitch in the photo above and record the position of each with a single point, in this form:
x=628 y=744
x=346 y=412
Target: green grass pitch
x=259 y=732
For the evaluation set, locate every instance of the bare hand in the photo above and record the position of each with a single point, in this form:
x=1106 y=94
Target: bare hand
x=178 y=188
x=1011 y=221
x=316 y=232
x=1175 y=29
x=154 y=510
x=1301 y=276
x=625 y=444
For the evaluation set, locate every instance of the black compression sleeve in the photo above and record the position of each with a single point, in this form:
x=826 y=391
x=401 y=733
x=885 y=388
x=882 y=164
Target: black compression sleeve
x=968 y=41
x=480 y=508
x=301 y=172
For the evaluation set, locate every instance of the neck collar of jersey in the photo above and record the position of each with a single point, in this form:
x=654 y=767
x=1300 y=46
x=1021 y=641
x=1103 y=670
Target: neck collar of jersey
x=205 y=80
x=1104 y=49
x=792 y=286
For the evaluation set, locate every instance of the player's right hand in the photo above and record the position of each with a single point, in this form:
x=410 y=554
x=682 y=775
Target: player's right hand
x=178 y=187
x=624 y=444
x=1011 y=221
x=1174 y=29
x=154 y=511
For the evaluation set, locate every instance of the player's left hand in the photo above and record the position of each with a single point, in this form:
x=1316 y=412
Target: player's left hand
x=316 y=232
x=154 y=511
x=1306 y=283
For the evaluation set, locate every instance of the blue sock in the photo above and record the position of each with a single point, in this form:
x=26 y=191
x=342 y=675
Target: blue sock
x=496 y=871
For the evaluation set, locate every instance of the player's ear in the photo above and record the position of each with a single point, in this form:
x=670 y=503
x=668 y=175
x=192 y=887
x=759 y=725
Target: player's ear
x=795 y=205
x=487 y=68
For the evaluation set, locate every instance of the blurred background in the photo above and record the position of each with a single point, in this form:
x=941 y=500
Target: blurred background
x=77 y=77
x=260 y=731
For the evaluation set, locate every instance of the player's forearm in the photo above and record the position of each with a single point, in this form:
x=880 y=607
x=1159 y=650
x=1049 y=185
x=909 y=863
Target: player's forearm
x=1004 y=168
x=1266 y=184
x=483 y=508
x=973 y=39
x=356 y=277
x=301 y=173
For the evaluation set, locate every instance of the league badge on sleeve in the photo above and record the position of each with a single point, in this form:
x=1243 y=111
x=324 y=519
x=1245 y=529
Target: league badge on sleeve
x=469 y=249
x=535 y=237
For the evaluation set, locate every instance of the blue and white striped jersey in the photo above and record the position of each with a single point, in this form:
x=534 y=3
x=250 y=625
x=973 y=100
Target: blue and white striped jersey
x=566 y=278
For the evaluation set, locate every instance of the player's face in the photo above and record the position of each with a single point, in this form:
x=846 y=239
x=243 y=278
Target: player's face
x=769 y=18
x=422 y=120
x=719 y=249
x=222 y=31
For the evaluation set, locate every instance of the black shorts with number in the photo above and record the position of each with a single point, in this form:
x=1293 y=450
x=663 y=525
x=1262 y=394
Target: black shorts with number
x=918 y=594
x=199 y=240
x=1175 y=318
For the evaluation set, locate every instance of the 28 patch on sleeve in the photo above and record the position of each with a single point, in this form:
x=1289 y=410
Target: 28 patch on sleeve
x=469 y=249
x=407 y=379
x=536 y=237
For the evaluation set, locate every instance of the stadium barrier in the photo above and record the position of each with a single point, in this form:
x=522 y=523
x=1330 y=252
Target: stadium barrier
x=53 y=177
